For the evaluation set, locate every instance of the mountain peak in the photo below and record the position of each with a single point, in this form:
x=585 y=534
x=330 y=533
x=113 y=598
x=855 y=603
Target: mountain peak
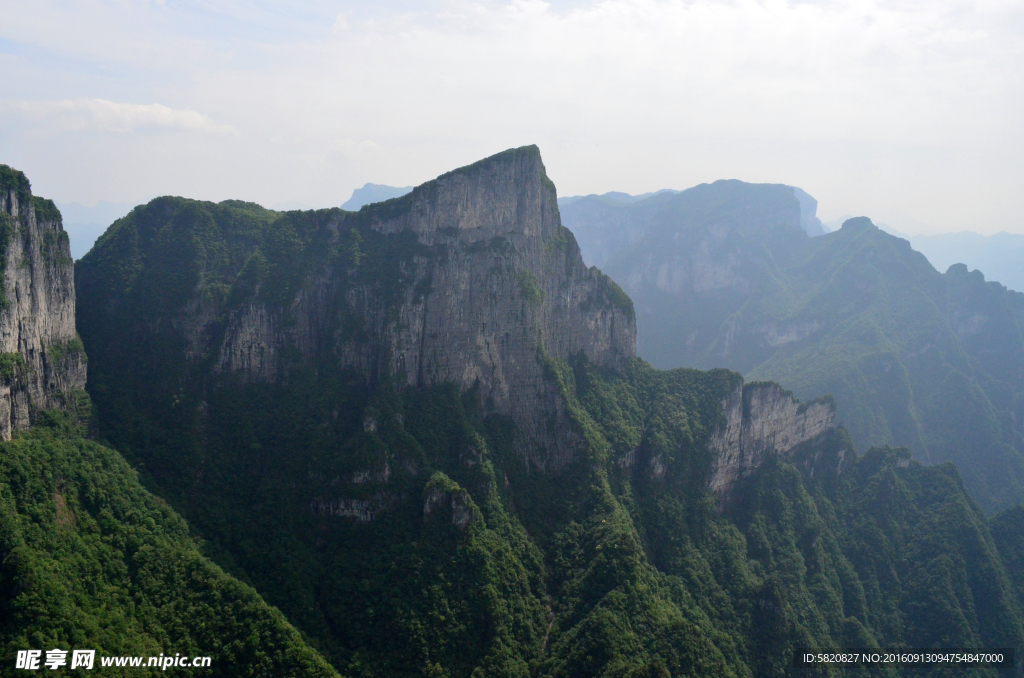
x=505 y=194
x=859 y=223
x=373 y=193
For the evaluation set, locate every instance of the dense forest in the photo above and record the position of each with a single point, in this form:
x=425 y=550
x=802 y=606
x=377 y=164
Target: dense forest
x=91 y=560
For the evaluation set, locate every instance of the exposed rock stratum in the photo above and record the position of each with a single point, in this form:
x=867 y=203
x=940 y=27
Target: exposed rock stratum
x=42 y=358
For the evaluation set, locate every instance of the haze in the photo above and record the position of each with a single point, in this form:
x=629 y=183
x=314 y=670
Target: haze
x=908 y=112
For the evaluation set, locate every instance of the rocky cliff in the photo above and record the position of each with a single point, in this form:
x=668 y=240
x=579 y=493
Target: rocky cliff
x=470 y=279
x=762 y=420
x=492 y=280
x=42 y=360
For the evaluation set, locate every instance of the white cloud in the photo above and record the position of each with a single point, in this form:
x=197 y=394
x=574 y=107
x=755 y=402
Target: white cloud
x=113 y=116
x=340 y=23
x=872 y=106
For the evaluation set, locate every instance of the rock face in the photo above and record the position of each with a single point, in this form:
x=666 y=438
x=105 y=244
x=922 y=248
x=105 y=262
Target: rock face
x=442 y=493
x=42 y=359
x=763 y=420
x=499 y=279
x=510 y=274
x=470 y=279
x=809 y=220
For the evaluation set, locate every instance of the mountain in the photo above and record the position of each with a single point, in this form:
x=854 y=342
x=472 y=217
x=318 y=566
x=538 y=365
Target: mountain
x=809 y=220
x=1000 y=256
x=85 y=224
x=607 y=224
x=88 y=558
x=395 y=290
x=725 y=275
x=371 y=193
x=421 y=431
x=613 y=197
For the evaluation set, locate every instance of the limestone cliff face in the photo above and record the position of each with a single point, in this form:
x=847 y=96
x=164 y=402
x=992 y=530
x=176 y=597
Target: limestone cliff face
x=42 y=358
x=763 y=420
x=484 y=284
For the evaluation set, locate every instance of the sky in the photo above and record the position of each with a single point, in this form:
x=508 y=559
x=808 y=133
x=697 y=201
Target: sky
x=906 y=112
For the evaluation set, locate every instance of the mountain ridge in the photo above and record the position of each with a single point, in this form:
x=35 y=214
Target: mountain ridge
x=612 y=222
x=371 y=193
x=856 y=313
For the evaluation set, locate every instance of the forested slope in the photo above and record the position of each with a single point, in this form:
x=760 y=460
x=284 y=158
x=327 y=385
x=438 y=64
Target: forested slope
x=89 y=559
x=333 y=400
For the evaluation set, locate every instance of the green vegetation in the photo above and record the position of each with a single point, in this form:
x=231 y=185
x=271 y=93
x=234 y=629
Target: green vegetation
x=803 y=556
x=619 y=298
x=532 y=292
x=91 y=560
x=12 y=180
x=395 y=596
x=57 y=353
x=10 y=363
x=55 y=246
x=47 y=212
x=402 y=531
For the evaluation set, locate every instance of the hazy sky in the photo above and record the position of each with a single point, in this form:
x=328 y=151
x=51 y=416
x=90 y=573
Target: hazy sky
x=908 y=112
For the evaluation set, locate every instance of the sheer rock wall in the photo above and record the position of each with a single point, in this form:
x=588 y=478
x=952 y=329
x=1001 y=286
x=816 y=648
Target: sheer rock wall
x=42 y=358
x=501 y=283
x=761 y=420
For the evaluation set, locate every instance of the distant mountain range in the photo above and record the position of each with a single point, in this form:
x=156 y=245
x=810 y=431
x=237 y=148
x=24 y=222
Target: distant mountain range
x=1000 y=256
x=603 y=226
x=725 y=275
x=371 y=193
